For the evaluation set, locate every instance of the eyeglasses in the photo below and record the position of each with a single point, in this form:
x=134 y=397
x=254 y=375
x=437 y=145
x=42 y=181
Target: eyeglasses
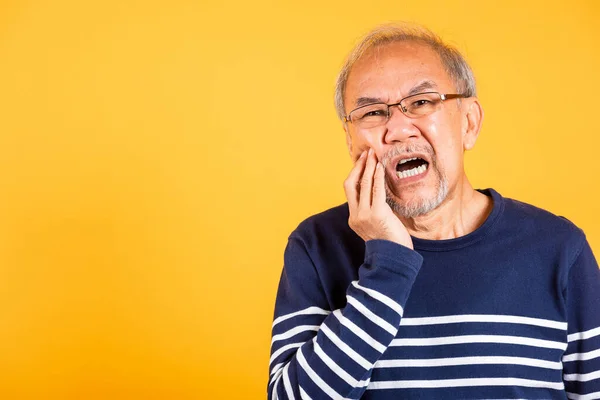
x=415 y=106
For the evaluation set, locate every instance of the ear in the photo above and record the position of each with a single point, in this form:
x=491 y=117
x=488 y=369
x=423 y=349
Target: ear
x=348 y=138
x=471 y=122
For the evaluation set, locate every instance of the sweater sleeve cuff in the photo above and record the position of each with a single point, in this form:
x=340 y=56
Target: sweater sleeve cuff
x=391 y=255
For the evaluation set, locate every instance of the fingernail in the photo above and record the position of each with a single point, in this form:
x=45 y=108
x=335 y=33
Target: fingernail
x=363 y=154
x=370 y=151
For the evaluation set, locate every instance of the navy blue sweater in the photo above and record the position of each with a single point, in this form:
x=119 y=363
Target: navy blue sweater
x=511 y=310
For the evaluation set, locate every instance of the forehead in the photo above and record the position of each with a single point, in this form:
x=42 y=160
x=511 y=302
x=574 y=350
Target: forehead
x=388 y=72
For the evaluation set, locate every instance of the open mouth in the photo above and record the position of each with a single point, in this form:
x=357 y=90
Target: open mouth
x=411 y=167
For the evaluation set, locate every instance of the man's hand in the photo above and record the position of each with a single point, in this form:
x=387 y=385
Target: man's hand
x=370 y=216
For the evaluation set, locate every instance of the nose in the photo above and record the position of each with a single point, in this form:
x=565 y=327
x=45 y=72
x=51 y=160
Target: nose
x=399 y=127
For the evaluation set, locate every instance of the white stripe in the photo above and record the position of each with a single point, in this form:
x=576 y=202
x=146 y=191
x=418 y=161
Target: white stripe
x=294 y=331
x=287 y=384
x=276 y=368
x=276 y=372
x=438 y=341
x=303 y=394
x=274 y=395
x=306 y=311
x=441 y=383
x=589 y=396
x=349 y=379
x=359 y=332
x=276 y=377
x=370 y=315
x=590 y=355
x=509 y=319
x=583 y=335
x=582 y=377
x=443 y=362
x=388 y=301
x=316 y=378
x=284 y=348
x=346 y=349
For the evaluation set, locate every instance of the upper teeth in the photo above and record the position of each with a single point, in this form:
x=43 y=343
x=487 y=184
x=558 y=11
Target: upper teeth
x=407 y=160
x=411 y=172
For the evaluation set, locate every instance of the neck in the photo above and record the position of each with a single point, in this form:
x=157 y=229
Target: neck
x=463 y=211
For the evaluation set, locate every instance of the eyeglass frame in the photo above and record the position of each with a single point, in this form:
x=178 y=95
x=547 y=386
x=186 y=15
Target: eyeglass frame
x=443 y=97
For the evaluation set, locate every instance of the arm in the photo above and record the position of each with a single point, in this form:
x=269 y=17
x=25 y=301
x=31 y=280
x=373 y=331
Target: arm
x=320 y=353
x=581 y=362
x=328 y=353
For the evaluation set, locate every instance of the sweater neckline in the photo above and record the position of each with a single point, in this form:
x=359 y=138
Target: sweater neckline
x=469 y=239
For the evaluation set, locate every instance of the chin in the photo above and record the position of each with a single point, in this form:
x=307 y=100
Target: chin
x=419 y=203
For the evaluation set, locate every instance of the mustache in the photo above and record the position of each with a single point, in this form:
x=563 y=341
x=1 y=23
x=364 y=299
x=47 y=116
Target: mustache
x=402 y=149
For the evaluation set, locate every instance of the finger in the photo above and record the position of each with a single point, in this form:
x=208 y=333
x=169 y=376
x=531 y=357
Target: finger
x=366 y=182
x=379 y=196
x=351 y=182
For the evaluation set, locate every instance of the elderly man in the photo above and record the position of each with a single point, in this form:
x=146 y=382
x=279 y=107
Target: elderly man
x=421 y=286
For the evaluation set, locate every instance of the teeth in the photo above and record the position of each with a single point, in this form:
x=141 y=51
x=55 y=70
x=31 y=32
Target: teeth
x=412 y=172
x=407 y=160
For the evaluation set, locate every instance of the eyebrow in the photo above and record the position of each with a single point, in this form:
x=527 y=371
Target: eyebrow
x=363 y=101
x=420 y=88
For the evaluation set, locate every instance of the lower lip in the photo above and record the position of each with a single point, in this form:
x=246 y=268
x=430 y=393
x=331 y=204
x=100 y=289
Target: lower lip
x=411 y=179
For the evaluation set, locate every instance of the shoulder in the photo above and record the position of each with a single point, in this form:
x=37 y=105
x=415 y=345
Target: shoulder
x=328 y=238
x=531 y=220
x=331 y=222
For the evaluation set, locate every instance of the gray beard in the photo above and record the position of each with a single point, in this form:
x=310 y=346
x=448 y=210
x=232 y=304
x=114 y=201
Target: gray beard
x=419 y=207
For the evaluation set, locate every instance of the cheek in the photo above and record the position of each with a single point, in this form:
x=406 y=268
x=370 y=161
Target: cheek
x=450 y=159
x=446 y=141
x=364 y=140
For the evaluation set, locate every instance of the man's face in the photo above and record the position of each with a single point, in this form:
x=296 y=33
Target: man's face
x=387 y=74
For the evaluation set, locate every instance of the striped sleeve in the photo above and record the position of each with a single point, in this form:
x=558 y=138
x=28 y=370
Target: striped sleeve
x=581 y=361
x=321 y=353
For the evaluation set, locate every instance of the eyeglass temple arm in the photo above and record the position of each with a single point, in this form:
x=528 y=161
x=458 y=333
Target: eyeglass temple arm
x=452 y=96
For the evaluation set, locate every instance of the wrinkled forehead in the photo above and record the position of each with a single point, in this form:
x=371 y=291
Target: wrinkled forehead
x=393 y=71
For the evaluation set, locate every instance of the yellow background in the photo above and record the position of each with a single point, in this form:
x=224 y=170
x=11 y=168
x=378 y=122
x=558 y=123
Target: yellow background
x=154 y=156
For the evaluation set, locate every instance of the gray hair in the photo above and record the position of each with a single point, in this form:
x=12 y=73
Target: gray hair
x=455 y=64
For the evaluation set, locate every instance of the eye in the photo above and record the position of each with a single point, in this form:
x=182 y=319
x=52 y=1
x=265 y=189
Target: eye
x=374 y=113
x=420 y=103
